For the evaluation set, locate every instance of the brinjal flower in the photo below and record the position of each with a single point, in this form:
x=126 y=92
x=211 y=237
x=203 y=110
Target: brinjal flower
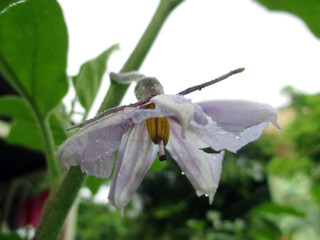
x=140 y=132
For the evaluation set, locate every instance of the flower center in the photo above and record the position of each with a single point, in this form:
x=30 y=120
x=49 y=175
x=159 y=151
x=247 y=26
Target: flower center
x=159 y=131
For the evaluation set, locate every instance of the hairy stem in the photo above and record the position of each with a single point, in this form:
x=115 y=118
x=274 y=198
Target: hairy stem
x=214 y=81
x=58 y=206
x=61 y=201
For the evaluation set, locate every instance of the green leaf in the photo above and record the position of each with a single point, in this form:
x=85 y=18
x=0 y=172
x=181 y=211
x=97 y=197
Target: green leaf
x=24 y=129
x=288 y=167
x=6 y=4
x=316 y=193
x=25 y=133
x=94 y=184
x=33 y=52
x=10 y=236
x=277 y=209
x=307 y=10
x=88 y=80
x=16 y=107
x=158 y=166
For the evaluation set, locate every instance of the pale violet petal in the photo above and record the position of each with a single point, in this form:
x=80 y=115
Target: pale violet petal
x=237 y=115
x=100 y=168
x=136 y=154
x=202 y=169
x=200 y=118
x=175 y=106
x=217 y=138
x=95 y=142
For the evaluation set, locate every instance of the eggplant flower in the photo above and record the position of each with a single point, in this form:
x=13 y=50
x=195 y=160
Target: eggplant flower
x=173 y=122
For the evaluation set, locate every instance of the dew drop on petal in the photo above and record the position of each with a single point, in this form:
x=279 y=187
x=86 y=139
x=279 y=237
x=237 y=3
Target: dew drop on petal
x=237 y=137
x=222 y=132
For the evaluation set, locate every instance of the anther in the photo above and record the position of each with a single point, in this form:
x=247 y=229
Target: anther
x=159 y=131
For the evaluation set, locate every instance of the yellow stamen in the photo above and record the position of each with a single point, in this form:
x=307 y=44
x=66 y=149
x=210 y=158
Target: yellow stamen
x=159 y=131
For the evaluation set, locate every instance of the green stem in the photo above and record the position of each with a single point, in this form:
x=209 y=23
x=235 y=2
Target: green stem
x=49 y=147
x=116 y=91
x=61 y=201
x=58 y=206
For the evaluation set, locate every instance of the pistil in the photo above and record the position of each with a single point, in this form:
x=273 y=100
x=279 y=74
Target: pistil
x=162 y=154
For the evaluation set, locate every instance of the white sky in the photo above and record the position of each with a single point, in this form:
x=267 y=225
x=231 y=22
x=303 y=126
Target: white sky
x=201 y=40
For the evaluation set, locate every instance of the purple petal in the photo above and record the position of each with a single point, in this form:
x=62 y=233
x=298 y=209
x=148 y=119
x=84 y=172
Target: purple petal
x=219 y=139
x=202 y=169
x=136 y=154
x=237 y=115
x=100 y=168
x=93 y=147
x=232 y=124
x=175 y=106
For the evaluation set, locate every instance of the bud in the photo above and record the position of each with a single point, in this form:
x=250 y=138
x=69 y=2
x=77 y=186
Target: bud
x=147 y=87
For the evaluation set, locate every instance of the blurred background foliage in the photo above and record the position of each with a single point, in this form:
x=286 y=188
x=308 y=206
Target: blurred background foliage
x=269 y=190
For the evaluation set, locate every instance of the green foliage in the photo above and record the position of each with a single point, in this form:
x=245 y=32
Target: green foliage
x=307 y=10
x=277 y=209
x=98 y=221
x=24 y=129
x=10 y=236
x=94 y=184
x=88 y=80
x=288 y=166
x=6 y=4
x=305 y=129
x=33 y=52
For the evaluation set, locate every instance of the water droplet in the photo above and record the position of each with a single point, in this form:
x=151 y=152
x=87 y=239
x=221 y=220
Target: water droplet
x=182 y=173
x=222 y=132
x=98 y=140
x=237 y=137
x=206 y=195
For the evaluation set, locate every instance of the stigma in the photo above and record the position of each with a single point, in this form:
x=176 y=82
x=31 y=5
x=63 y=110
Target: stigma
x=159 y=131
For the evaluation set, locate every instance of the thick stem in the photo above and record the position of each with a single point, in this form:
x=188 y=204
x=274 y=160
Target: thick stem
x=59 y=204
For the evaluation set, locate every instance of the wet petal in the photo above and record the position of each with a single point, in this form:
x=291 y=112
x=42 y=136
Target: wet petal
x=218 y=139
x=202 y=169
x=136 y=154
x=237 y=115
x=172 y=106
x=100 y=168
x=95 y=144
